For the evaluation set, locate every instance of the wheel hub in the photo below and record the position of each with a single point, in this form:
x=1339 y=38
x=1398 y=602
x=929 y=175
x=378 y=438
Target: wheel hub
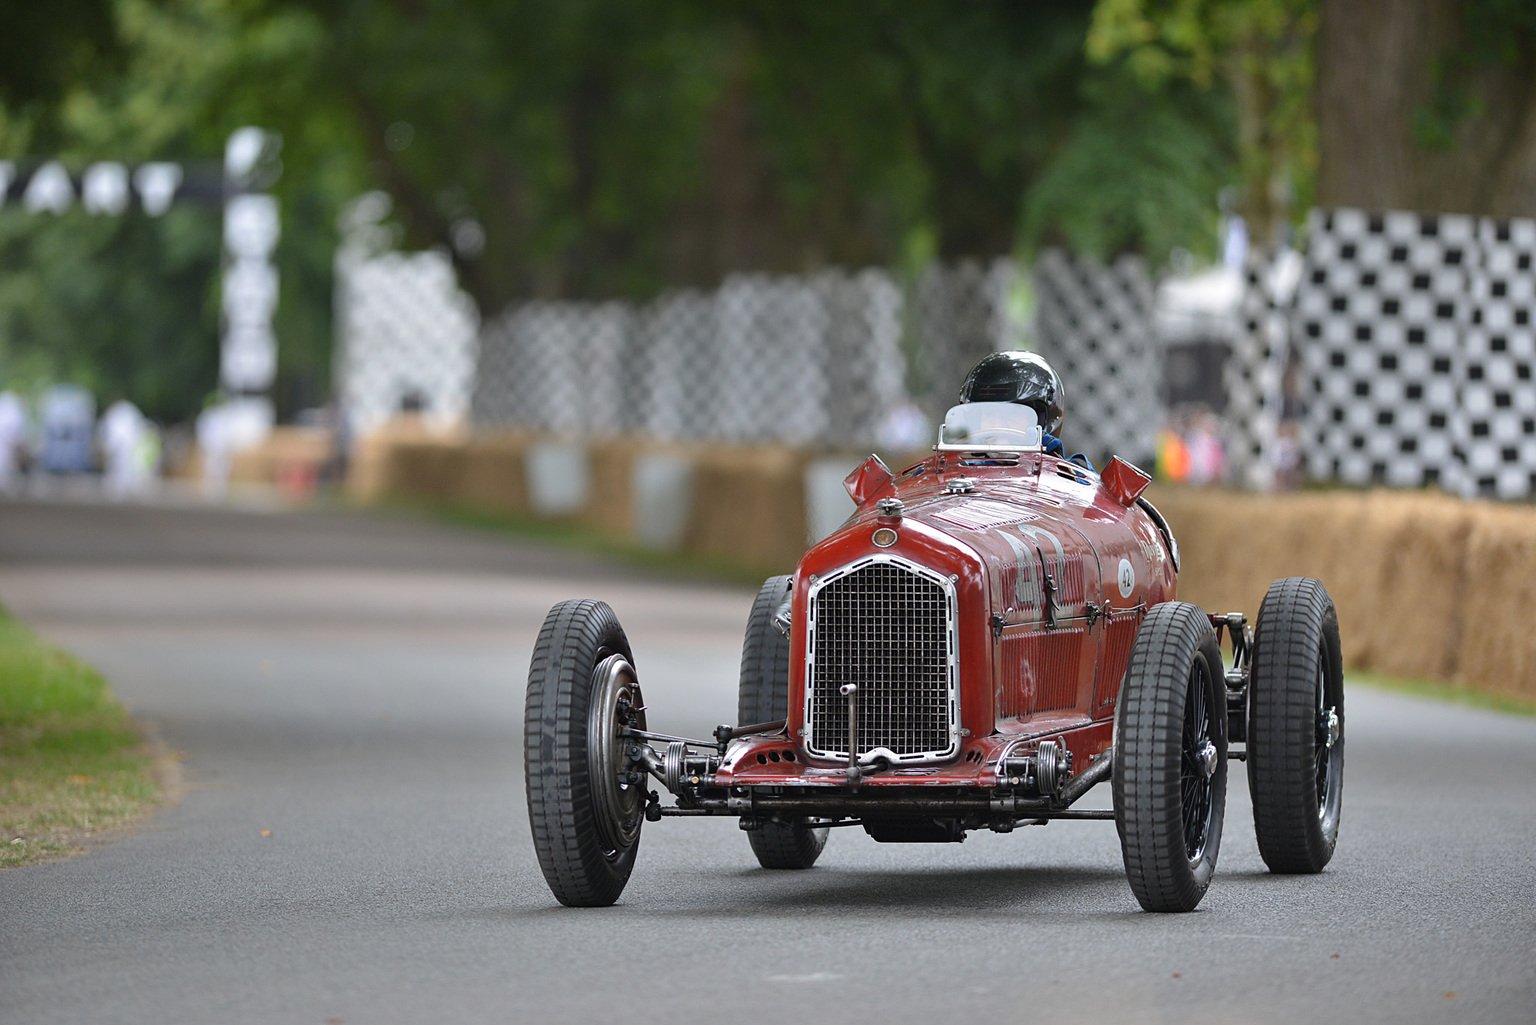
x=1328 y=727
x=616 y=707
x=1208 y=757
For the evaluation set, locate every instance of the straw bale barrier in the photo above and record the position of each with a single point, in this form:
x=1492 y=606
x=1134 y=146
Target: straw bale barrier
x=1427 y=585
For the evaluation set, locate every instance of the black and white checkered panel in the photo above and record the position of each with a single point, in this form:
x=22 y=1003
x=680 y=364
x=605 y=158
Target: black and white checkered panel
x=1094 y=323
x=403 y=327
x=1379 y=318
x=557 y=366
x=1254 y=372
x=1498 y=394
x=865 y=369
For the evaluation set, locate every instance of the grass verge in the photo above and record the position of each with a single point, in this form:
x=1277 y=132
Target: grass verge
x=72 y=762
x=1513 y=704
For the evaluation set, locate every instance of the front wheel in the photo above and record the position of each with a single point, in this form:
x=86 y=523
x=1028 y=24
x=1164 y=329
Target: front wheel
x=1170 y=768
x=763 y=696
x=585 y=807
x=1296 y=727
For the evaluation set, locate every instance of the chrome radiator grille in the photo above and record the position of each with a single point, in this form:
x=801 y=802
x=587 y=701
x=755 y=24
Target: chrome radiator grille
x=889 y=627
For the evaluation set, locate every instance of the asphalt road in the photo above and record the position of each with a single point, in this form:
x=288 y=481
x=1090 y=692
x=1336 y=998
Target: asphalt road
x=354 y=686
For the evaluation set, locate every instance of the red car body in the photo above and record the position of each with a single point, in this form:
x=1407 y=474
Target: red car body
x=1033 y=661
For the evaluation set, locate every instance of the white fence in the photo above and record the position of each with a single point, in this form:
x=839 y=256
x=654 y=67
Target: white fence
x=798 y=360
x=1413 y=335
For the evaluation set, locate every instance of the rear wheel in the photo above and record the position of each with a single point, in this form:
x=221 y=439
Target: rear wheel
x=584 y=808
x=1170 y=776
x=1296 y=727
x=763 y=696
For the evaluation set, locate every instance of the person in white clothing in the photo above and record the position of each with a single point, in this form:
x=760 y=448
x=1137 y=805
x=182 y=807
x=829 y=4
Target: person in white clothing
x=214 y=444
x=121 y=433
x=13 y=434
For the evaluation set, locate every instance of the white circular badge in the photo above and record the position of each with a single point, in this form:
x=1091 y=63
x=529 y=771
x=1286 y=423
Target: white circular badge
x=1127 y=578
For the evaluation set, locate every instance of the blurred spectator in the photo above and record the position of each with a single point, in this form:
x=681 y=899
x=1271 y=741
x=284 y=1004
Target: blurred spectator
x=1207 y=455
x=1172 y=456
x=123 y=433
x=1287 y=456
x=1190 y=449
x=68 y=414
x=215 y=445
x=905 y=428
x=13 y=435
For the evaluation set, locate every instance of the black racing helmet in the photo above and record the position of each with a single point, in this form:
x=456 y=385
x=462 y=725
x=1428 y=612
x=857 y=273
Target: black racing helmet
x=1022 y=377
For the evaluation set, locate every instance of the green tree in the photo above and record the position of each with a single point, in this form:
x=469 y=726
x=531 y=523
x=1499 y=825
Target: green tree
x=1261 y=51
x=592 y=148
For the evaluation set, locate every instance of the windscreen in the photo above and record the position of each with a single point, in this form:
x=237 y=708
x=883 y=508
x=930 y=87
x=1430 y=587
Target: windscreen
x=990 y=425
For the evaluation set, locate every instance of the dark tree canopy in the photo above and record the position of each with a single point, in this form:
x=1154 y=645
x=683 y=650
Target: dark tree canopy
x=603 y=148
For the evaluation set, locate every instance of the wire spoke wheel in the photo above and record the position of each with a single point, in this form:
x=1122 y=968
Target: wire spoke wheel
x=1296 y=727
x=1194 y=769
x=1170 y=768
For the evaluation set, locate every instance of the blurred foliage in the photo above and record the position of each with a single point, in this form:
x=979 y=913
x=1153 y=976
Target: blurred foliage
x=121 y=305
x=600 y=148
x=1262 y=52
x=1156 y=163
x=48 y=48
x=128 y=306
x=1493 y=33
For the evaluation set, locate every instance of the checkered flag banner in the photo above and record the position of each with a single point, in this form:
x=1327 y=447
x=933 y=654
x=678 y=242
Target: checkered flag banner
x=1498 y=397
x=1253 y=375
x=1094 y=323
x=1415 y=331
x=405 y=334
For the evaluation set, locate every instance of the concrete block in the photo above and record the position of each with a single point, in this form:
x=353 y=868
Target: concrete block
x=559 y=478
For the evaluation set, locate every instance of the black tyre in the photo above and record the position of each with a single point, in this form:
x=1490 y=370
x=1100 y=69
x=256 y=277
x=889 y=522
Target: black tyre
x=1296 y=727
x=763 y=696
x=584 y=811
x=1170 y=775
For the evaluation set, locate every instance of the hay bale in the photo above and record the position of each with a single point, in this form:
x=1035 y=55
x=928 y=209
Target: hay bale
x=283 y=450
x=749 y=506
x=610 y=502
x=493 y=476
x=373 y=470
x=1391 y=560
x=1498 y=637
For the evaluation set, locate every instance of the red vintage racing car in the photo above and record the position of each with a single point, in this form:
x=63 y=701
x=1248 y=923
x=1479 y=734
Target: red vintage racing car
x=990 y=635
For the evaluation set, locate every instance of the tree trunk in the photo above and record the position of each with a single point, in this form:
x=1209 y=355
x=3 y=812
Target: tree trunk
x=1382 y=65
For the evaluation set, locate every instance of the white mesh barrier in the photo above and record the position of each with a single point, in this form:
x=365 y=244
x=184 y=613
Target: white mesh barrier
x=1094 y=323
x=405 y=333
x=796 y=360
x=1413 y=334
x=962 y=315
x=558 y=366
